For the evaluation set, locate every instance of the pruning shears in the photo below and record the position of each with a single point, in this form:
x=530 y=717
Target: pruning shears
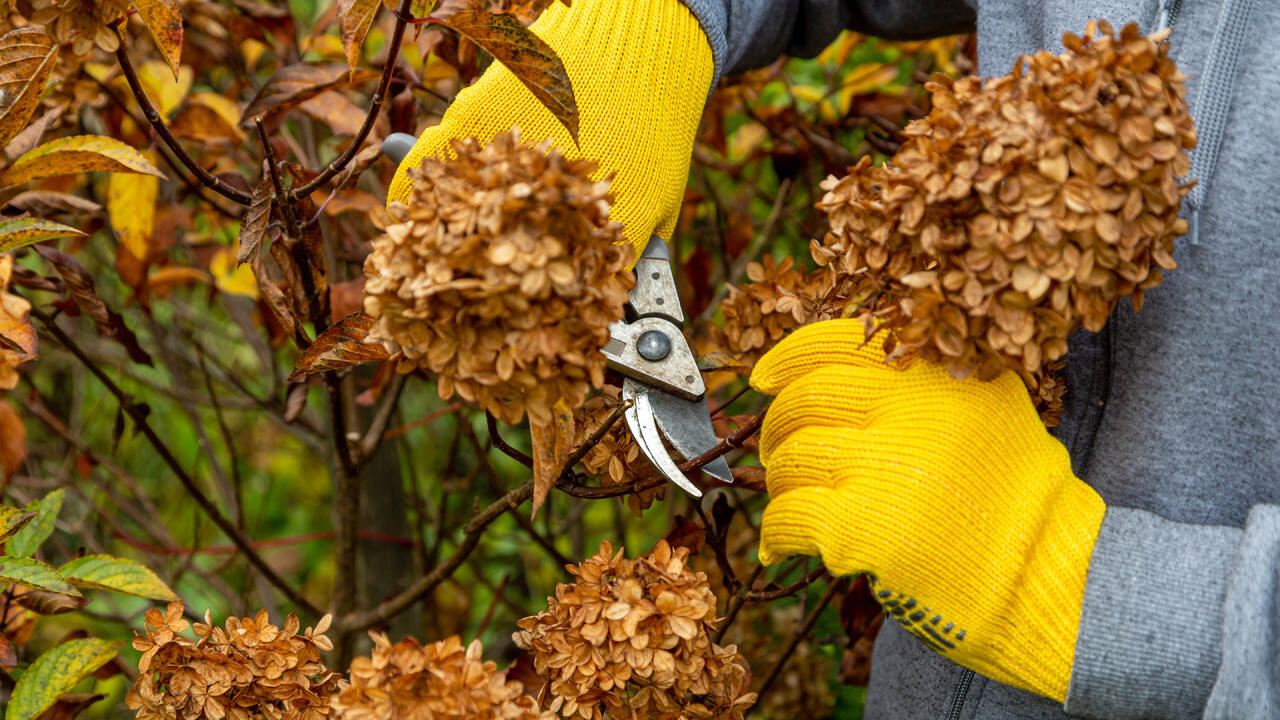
x=662 y=388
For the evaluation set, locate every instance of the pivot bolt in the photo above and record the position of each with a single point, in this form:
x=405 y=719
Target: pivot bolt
x=653 y=345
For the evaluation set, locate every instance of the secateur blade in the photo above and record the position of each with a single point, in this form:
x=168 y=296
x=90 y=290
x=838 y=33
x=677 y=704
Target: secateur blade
x=687 y=425
x=640 y=421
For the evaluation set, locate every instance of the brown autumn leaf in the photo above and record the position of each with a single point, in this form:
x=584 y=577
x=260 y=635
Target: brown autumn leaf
x=45 y=602
x=77 y=154
x=41 y=203
x=164 y=19
x=208 y=117
x=27 y=56
x=340 y=346
x=276 y=301
x=80 y=284
x=13 y=441
x=254 y=224
x=530 y=59
x=339 y=114
x=551 y=445
x=355 y=17
x=8 y=657
x=25 y=141
x=294 y=84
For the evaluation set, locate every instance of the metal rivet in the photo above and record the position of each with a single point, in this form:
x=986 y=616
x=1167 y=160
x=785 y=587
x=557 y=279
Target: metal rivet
x=655 y=276
x=653 y=345
x=688 y=379
x=658 y=300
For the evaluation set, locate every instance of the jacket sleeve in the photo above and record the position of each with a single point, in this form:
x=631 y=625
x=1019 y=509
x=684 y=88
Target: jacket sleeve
x=1179 y=620
x=745 y=34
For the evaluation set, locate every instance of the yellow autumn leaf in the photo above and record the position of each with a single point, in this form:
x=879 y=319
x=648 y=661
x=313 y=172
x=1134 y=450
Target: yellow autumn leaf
x=76 y=154
x=231 y=279
x=209 y=117
x=131 y=207
x=865 y=79
x=164 y=90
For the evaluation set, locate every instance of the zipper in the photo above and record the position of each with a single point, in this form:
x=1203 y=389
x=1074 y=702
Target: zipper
x=957 y=700
x=1169 y=11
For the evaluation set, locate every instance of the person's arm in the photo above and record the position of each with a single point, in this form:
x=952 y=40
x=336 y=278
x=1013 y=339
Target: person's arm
x=751 y=33
x=1180 y=620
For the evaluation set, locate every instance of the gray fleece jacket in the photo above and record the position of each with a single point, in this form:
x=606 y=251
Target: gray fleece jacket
x=1173 y=414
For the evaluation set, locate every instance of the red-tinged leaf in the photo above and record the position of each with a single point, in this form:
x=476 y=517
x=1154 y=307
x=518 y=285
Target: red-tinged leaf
x=27 y=57
x=295 y=83
x=8 y=656
x=686 y=533
x=355 y=17
x=530 y=59
x=417 y=9
x=13 y=445
x=254 y=224
x=341 y=346
x=80 y=285
x=77 y=154
x=552 y=444
x=747 y=477
x=164 y=19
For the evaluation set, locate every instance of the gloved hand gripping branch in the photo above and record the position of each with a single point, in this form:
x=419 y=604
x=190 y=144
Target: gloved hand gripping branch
x=640 y=70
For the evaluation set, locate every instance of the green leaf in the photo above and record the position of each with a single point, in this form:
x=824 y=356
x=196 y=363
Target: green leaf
x=33 y=573
x=55 y=673
x=76 y=154
x=25 y=542
x=121 y=575
x=22 y=232
x=12 y=520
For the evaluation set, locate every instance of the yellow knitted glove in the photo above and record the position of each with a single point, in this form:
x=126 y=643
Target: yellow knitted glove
x=951 y=494
x=640 y=70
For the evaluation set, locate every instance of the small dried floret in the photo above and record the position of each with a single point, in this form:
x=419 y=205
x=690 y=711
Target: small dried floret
x=632 y=639
x=780 y=298
x=1021 y=207
x=251 y=669
x=616 y=459
x=438 y=681
x=81 y=24
x=502 y=276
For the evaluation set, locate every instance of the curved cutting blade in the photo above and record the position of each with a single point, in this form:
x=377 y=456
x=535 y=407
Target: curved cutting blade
x=687 y=426
x=640 y=420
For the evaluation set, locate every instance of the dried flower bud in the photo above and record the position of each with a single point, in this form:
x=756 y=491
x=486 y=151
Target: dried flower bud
x=631 y=638
x=1021 y=208
x=438 y=681
x=502 y=276
x=248 y=670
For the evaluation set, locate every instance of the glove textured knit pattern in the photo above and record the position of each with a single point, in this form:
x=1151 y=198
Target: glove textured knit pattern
x=949 y=493
x=640 y=69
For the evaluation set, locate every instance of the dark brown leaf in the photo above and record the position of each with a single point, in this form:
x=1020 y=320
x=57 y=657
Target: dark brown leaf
x=27 y=56
x=686 y=533
x=341 y=346
x=43 y=203
x=530 y=59
x=294 y=84
x=551 y=447
x=50 y=603
x=254 y=224
x=80 y=285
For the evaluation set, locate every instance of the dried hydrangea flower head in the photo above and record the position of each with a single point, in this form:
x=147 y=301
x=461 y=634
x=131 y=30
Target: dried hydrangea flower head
x=632 y=639
x=17 y=338
x=249 y=669
x=1022 y=207
x=81 y=24
x=779 y=298
x=501 y=275
x=438 y=681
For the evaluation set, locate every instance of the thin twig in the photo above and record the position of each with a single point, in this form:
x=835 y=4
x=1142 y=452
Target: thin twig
x=742 y=261
x=497 y=598
x=496 y=438
x=795 y=641
x=139 y=416
x=379 y=95
x=735 y=604
x=157 y=122
x=377 y=430
x=802 y=583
